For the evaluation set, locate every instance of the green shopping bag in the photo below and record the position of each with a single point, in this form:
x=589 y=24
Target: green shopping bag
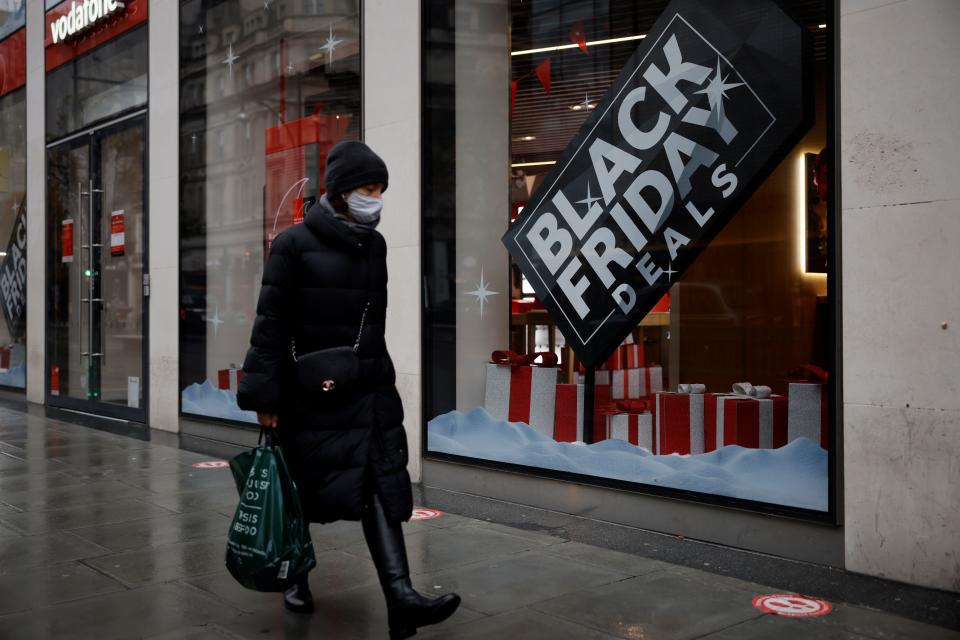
x=268 y=547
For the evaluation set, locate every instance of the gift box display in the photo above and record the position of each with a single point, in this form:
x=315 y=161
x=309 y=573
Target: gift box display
x=807 y=405
x=634 y=384
x=679 y=420
x=629 y=421
x=568 y=419
x=750 y=416
x=633 y=356
x=5 y=358
x=229 y=379
x=522 y=388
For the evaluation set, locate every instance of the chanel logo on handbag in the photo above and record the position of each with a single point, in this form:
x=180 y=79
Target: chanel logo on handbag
x=336 y=369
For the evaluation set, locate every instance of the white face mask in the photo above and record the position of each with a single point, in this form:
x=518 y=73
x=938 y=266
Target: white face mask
x=365 y=209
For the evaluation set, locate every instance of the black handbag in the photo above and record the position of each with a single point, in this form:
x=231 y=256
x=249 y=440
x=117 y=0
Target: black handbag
x=336 y=369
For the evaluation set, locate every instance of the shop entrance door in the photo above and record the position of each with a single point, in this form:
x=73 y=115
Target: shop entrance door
x=98 y=286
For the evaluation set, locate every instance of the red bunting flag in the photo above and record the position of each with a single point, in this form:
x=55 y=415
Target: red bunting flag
x=578 y=37
x=513 y=94
x=543 y=72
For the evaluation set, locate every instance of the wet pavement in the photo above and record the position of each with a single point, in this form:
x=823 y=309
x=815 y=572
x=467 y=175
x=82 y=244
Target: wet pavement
x=105 y=536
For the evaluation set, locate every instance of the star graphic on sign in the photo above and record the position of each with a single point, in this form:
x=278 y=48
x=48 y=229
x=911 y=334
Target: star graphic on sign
x=291 y=69
x=266 y=5
x=481 y=293
x=231 y=58
x=200 y=29
x=716 y=91
x=216 y=321
x=588 y=200
x=330 y=45
x=669 y=271
x=15 y=207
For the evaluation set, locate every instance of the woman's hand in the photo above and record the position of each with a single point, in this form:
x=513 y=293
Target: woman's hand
x=268 y=420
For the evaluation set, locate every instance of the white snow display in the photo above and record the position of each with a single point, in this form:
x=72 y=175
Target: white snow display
x=15 y=376
x=207 y=400
x=794 y=475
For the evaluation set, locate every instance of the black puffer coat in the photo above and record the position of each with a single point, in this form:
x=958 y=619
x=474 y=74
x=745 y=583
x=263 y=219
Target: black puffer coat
x=316 y=282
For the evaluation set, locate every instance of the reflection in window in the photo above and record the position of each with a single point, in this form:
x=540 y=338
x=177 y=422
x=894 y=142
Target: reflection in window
x=262 y=101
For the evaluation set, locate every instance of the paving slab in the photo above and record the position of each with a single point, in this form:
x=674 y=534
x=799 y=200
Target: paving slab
x=37 y=587
x=154 y=532
x=79 y=493
x=516 y=581
x=662 y=605
x=33 y=522
x=22 y=552
x=162 y=563
x=525 y=623
x=123 y=615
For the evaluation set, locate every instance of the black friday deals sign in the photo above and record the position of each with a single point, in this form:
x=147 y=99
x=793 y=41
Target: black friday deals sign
x=709 y=103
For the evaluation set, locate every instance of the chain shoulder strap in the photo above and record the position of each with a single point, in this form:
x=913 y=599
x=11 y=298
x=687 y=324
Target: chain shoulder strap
x=356 y=344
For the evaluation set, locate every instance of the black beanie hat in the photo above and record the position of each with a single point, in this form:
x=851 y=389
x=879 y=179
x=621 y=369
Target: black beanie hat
x=352 y=164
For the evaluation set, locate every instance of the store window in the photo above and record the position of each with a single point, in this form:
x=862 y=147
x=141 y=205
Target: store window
x=708 y=204
x=13 y=159
x=266 y=89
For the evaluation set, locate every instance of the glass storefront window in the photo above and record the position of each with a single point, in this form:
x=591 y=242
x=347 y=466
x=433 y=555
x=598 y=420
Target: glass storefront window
x=722 y=387
x=266 y=89
x=100 y=84
x=13 y=180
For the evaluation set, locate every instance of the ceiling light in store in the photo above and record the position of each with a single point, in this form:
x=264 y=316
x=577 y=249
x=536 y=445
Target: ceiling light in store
x=586 y=104
x=821 y=26
x=544 y=163
x=524 y=138
x=593 y=43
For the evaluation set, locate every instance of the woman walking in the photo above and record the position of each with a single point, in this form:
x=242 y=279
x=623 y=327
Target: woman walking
x=318 y=371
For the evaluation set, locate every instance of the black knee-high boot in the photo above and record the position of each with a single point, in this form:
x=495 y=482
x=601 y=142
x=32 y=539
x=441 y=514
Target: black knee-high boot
x=407 y=610
x=298 y=597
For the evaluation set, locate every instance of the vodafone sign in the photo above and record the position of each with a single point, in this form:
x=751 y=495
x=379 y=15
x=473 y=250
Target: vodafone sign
x=81 y=17
x=75 y=27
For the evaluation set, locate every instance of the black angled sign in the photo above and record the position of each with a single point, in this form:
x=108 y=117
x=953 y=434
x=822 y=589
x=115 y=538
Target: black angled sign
x=708 y=104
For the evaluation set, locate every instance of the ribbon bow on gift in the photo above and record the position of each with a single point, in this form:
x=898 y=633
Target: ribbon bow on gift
x=692 y=388
x=807 y=373
x=514 y=359
x=626 y=406
x=747 y=390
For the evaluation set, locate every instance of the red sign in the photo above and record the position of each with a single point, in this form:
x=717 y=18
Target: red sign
x=66 y=240
x=55 y=380
x=133 y=13
x=425 y=514
x=13 y=62
x=792 y=605
x=116 y=233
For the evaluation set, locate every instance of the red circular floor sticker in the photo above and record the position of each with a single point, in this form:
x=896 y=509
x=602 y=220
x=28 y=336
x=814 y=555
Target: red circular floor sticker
x=211 y=464
x=425 y=514
x=792 y=605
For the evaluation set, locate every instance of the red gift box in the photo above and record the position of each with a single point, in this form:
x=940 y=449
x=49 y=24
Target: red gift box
x=679 y=422
x=749 y=417
x=522 y=388
x=808 y=405
x=629 y=421
x=568 y=421
x=5 y=358
x=634 y=384
x=633 y=356
x=229 y=379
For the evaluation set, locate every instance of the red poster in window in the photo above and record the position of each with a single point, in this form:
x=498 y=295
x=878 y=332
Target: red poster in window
x=66 y=240
x=117 y=235
x=13 y=62
x=286 y=146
